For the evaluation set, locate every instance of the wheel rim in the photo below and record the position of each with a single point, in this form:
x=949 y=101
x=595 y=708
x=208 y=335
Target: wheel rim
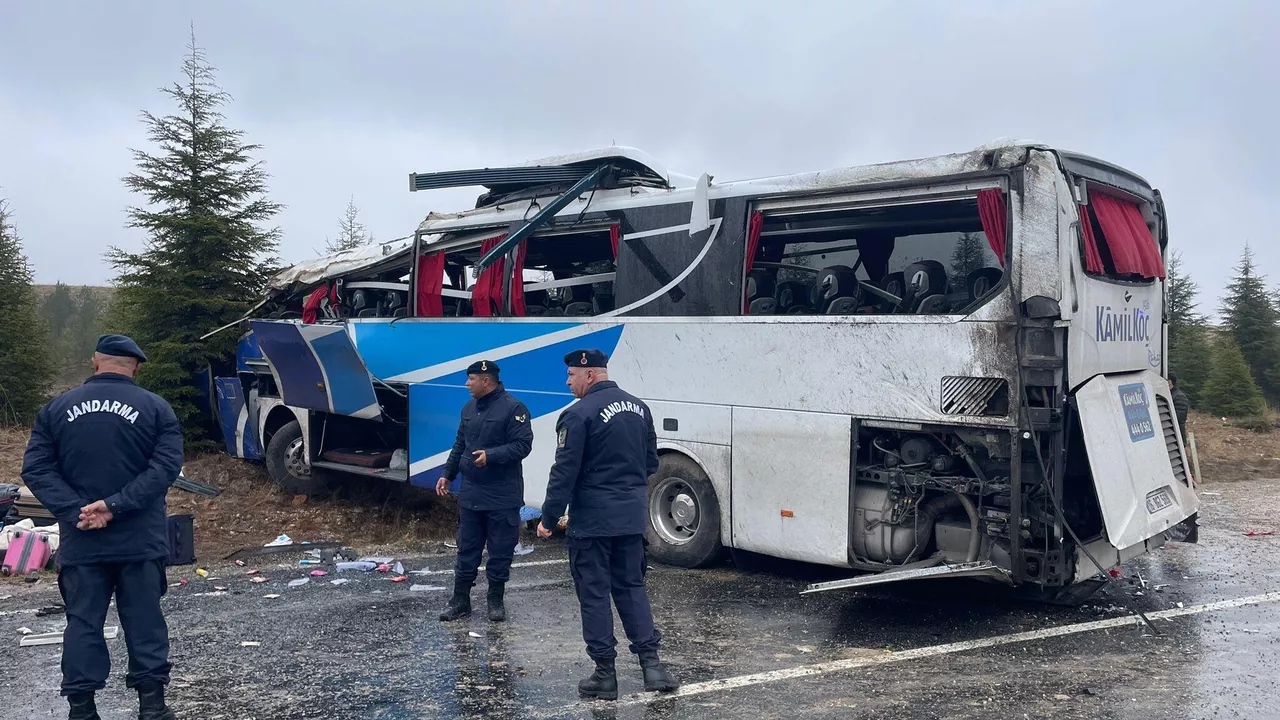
x=295 y=461
x=674 y=511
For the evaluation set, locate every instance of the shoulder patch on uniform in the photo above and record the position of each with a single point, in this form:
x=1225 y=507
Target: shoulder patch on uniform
x=522 y=417
x=561 y=437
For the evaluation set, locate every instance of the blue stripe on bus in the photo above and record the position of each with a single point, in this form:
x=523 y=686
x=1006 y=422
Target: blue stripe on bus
x=390 y=350
x=535 y=377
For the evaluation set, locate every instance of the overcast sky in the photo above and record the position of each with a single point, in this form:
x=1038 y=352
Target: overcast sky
x=348 y=98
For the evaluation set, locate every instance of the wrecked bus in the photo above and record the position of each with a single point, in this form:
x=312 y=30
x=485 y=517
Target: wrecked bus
x=943 y=366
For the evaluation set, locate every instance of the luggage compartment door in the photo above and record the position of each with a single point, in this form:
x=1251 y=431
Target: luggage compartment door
x=317 y=367
x=1135 y=455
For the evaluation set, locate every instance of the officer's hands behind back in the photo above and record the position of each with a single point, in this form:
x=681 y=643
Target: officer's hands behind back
x=94 y=516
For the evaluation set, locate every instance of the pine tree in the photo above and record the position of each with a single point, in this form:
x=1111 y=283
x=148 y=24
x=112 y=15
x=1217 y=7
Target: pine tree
x=969 y=255
x=57 y=309
x=1189 y=354
x=1230 y=390
x=1250 y=312
x=351 y=232
x=206 y=258
x=25 y=375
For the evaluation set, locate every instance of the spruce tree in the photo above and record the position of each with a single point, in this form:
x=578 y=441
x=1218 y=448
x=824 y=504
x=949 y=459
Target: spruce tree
x=969 y=255
x=1250 y=312
x=25 y=373
x=351 y=232
x=207 y=255
x=1230 y=390
x=1190 y=356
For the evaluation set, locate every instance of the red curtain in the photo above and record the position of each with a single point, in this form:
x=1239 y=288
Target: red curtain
x=430 y=283
x=311 y=306
x=991 y=211
x=517 y=281
x=1092 y=257
x=615 y=235
x=483 y=293
x=1132 y=247
x=754 y=226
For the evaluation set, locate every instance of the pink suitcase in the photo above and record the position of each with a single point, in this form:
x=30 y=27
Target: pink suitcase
x=28 y=552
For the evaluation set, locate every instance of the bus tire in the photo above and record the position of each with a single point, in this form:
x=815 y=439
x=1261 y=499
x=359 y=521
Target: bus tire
x=684 y=514
x=287 y=463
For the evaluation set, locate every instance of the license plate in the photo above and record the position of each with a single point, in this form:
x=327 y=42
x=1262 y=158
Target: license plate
x=1159 y=500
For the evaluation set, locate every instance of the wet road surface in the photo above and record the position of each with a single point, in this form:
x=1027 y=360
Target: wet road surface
x=746 y=645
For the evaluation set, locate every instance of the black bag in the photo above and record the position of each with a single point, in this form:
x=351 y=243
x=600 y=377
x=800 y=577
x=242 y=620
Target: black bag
x=182 y=540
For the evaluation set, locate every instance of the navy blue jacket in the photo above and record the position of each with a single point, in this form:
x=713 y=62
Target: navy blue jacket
x=500 y=425
x=106 y=440
x=606 y=450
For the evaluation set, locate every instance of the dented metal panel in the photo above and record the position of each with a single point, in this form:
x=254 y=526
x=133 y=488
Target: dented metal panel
x=1138 y=491
x=313 y=272
x=979 y=569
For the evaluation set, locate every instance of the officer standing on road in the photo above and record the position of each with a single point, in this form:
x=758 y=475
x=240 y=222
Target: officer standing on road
x=495 y=435
x=606 y=450
x=101 y=459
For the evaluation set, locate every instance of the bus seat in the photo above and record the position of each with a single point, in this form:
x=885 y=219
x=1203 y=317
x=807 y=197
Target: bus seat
x=894 y=284
x=793 y=298
x=762 y=306
x=368 y=312
x=359 y=301
x=760 y=284
x=834 y=283
x=981 y=281
x=579 y=309
x=400 y=312
x=923 y=279
x=843 y=306
x=535 y=310
x=602 y=303
x=932 y=305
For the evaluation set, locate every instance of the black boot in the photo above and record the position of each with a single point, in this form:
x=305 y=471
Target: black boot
x=603 y=683
x=460 y=605
x=151 y=703
x=656 y=676
x=497 y=611
x=82 y=707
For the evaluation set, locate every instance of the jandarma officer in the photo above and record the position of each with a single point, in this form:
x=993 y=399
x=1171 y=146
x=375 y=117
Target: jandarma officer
x=606 y=449
x=101 y=458
x=494 y=436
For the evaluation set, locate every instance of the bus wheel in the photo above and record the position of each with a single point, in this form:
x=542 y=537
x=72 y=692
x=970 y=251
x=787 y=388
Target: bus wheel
x=287 y=463
x=684 y=516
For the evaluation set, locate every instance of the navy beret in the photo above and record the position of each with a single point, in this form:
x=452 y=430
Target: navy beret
x=483 y=367
x=120 y=346
x=587 y=359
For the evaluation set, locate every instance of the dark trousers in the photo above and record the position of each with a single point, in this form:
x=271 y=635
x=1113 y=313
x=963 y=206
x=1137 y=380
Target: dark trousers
x=605 y=567
x=86 y=591
x=500 y=530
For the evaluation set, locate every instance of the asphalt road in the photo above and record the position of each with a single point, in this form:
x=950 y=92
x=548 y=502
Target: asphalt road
x=746 y=645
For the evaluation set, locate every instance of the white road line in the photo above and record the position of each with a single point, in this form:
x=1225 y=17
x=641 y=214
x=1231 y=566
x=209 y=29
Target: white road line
x=934 y=651
x=562 y=561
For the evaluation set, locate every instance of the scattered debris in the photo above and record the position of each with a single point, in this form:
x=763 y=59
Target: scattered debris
x=474 y=634
x=384 y=567
x=309 y=561
x=272 y=596
x=280 y=541
x=361 y=565
x=239 y=563
x=426 y=588
x=400 y=578
x=51 y=610
x=339 y=581
x=1161 y=586
x=453 y=546
x=1258 y=533
x=250 y=643
x=24 y=631
x=319 y=573
x=255 y=571
x=805 y=649
x=202 y=572
x=378 y=560
x=398 y=569
x=219 y=588
x=271 y=549
x=299 y=582
x=522 y=549
x=1060 y=696
x=55 y=638
x=258 y=579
